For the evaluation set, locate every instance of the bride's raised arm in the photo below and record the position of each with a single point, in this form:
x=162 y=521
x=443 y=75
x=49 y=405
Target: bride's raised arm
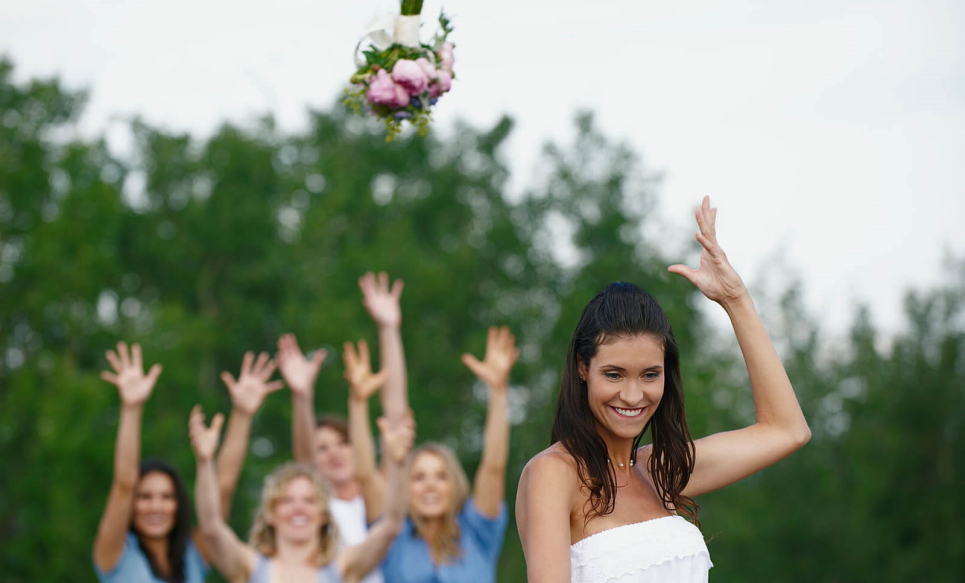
x=724 y=458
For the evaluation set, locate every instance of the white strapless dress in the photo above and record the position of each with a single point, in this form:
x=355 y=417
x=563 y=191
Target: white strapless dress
x=663 y=550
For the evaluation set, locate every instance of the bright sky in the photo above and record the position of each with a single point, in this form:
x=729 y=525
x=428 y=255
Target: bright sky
x=831 y=134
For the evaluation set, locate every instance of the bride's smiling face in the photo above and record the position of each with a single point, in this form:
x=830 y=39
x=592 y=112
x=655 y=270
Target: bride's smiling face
x=624 y=384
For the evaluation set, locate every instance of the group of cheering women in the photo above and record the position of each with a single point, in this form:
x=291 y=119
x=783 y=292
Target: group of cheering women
x=333 y=515
x=594 y=507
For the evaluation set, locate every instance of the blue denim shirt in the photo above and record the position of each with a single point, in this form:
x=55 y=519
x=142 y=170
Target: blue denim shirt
x=480 y=540
x=133 y=566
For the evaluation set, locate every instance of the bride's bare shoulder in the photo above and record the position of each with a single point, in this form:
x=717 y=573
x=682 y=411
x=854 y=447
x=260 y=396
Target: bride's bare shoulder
x=553 y=463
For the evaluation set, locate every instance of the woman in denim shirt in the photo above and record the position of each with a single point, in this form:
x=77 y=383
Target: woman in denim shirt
x=451 y=535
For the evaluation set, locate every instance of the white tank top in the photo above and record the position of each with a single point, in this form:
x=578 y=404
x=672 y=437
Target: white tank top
x=349 y=515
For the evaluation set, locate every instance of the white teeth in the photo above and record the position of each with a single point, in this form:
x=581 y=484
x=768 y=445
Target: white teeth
x=299 y=521
x=628 y=412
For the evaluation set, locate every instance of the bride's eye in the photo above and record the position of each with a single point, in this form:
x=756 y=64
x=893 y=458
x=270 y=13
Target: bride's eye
x=612 y=375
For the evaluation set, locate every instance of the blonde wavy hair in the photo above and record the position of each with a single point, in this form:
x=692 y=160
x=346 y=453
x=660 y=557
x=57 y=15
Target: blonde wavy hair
x=262 y=534
x=446 y=546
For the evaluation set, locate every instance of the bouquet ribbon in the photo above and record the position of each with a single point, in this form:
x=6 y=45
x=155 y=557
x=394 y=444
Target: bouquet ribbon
x=405 y=31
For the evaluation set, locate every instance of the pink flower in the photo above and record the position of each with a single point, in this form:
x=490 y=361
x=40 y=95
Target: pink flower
x=446 y=58
x=428 y=68
x=384 y=91
x=410 y=75
x=442 y=84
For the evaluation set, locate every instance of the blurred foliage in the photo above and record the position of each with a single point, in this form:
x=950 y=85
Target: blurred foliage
x=201 y=250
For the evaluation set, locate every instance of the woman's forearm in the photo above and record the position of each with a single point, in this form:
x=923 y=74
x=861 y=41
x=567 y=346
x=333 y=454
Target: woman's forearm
x=775 y=403
x=231 y=457
x=496 y=433
x=395 y=394
x=207 y=498
x=303 y=427
x=394 y=493
x=490 y=483
x=127 y=451
x=363 y=450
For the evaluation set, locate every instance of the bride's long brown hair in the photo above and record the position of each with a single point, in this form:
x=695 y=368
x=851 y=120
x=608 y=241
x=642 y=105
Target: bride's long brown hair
x=623 y=310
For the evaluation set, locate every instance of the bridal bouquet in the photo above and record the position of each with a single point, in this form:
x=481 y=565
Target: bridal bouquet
x=398 y=77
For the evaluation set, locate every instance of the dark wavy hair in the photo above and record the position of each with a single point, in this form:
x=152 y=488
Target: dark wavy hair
x=181 y=533
x=624 y=310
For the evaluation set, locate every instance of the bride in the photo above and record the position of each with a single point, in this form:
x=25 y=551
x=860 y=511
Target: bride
x=594 y=507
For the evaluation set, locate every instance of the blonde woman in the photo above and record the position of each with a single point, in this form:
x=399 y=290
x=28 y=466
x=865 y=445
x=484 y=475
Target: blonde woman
x=293 y=538
x=453 y=535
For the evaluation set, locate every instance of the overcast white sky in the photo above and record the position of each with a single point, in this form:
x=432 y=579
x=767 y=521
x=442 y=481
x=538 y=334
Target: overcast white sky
x=831 y=132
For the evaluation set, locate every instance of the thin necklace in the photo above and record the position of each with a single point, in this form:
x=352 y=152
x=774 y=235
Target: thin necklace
x=620 y=464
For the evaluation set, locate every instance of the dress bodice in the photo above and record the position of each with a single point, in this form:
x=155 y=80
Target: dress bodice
x=666 y=550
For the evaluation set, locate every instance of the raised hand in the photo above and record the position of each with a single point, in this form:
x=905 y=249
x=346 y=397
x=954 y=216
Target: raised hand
x=397 y=439
x=501 y=355
x=299 y=372
x=249 y=391
x=381 y=301
x=715 y=277
x=358 y=371
x=204 y=440
x=132 y=384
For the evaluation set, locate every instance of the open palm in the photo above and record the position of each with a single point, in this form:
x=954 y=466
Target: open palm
x=501 y=355
x=381 y=300
x=132 y=384
x=358 y=371
x=249 y=391
x=299 y=372
x=715 y=277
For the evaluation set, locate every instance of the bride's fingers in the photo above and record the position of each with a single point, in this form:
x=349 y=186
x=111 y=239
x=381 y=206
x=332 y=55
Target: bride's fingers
x=683 y=271
x=710 y=245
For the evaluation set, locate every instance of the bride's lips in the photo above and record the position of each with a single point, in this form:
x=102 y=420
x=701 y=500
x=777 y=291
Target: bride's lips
x=628 y=413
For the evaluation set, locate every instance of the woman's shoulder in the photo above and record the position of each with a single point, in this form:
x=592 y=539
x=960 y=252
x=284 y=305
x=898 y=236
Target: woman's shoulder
x=553 y=464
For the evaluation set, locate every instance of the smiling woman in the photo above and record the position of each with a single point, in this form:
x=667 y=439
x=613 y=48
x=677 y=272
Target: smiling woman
x=586 y=511
x=145 y=532
x=294 y=538
x=454 y=533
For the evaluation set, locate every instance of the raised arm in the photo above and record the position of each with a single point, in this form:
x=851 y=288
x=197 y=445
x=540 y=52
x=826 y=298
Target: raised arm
x=300 y=374
x=134 y=388
x=489 y=487
x=382 y=303
x=247 y=395
x=234 y=560
x=363 y=383
x=355 y=562
x=543 y=501
x=724 y=458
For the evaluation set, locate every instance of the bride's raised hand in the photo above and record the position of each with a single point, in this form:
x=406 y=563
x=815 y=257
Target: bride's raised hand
x=715 y=277
x=132 y=384
x=381 y=300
